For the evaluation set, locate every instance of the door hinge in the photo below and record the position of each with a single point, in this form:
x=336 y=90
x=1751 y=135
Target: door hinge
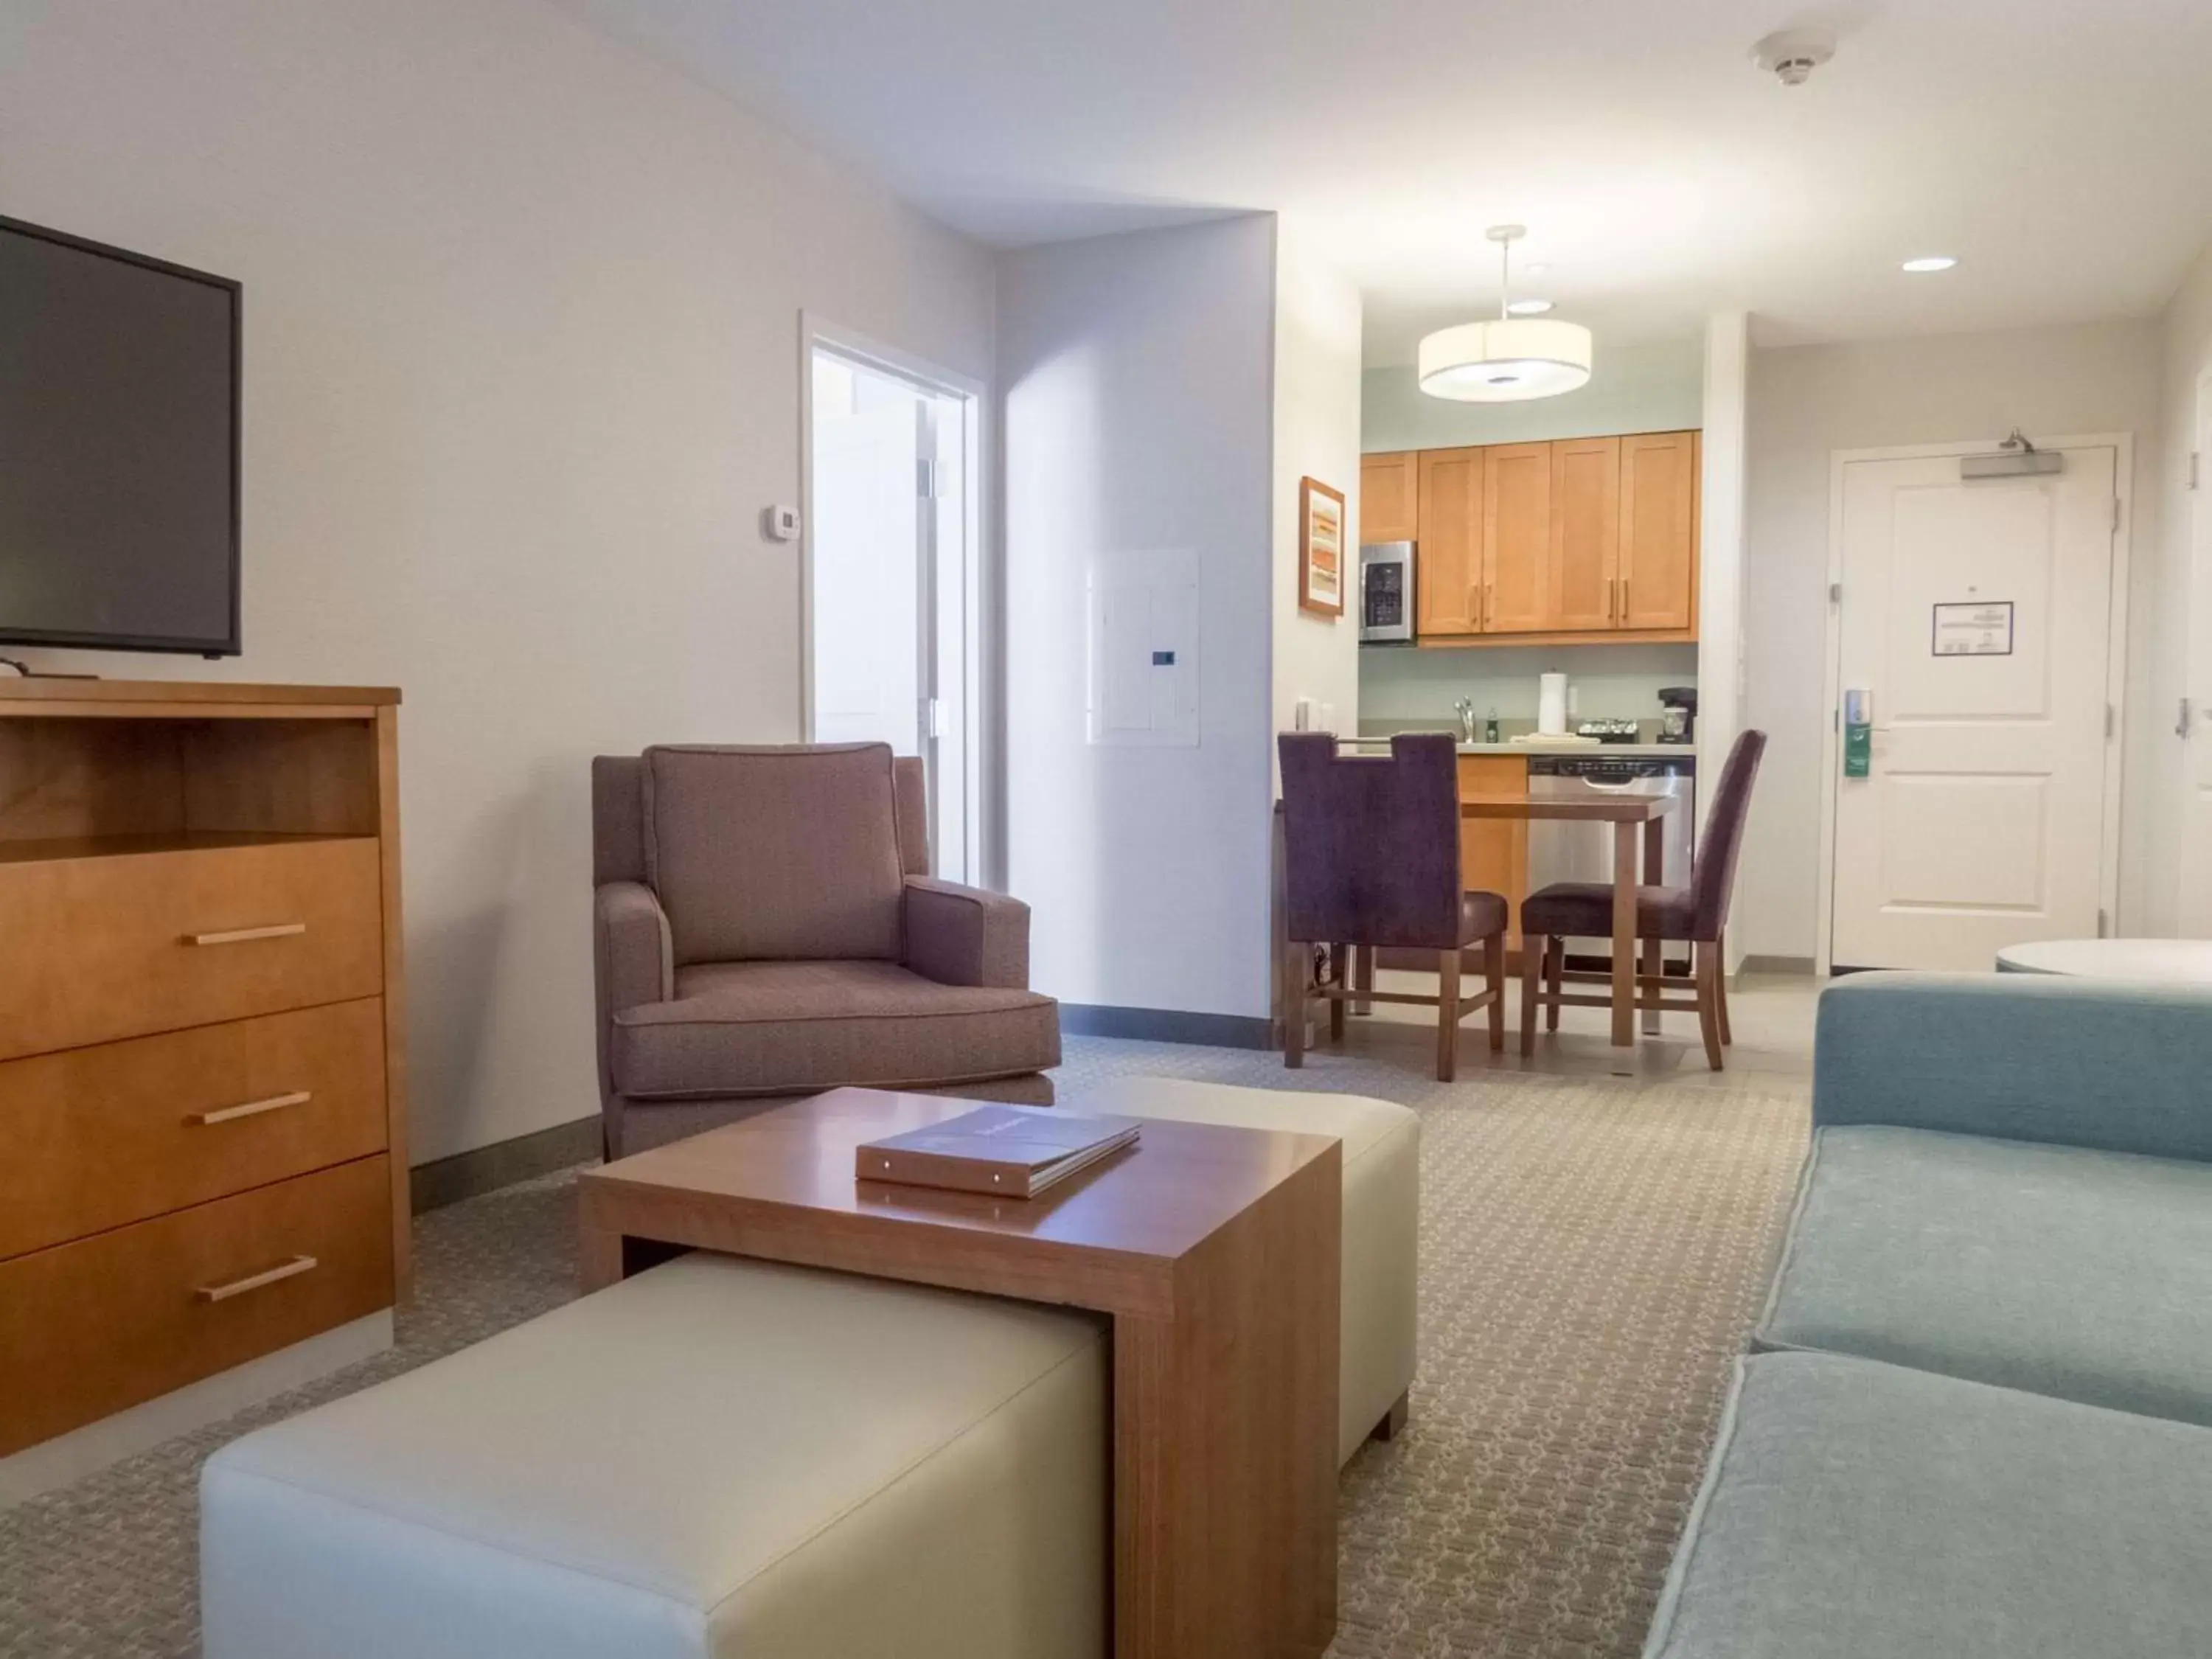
x=2112 y=719
x=2115 y=513
x=2195 y=461
x=932 y=716
x=1835 y=592
x=2181 y=726
x=926 y=480
x=2103 y=925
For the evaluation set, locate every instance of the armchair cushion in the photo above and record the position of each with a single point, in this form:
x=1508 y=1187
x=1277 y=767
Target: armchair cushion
x=763 y=1028
x=774 y=853
x=959 y=935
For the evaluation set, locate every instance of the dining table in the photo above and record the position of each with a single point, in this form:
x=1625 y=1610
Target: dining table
x=1634 y=818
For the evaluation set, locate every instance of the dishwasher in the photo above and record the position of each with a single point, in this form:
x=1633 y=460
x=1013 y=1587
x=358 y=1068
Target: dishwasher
x=1564 y=850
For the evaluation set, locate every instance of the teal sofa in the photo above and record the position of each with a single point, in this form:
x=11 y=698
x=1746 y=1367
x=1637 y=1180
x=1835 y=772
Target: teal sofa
x=1975 y=1421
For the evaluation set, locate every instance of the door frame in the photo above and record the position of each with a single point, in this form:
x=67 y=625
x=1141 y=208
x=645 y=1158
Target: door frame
x=979 y=620
x=2116 y=664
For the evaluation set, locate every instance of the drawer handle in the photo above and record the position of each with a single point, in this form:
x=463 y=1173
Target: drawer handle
x=244 y=935
x=292 y=1269
x=249 y=1108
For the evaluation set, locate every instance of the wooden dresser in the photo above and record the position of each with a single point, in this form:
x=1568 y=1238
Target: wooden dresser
x=202 y=1087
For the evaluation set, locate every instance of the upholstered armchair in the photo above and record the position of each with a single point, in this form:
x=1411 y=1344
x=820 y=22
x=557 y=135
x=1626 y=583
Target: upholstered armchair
x=765 y=927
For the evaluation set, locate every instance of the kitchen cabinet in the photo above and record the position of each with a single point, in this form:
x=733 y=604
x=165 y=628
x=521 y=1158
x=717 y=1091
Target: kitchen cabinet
x=1582 y=571
x=1658 y=553
x=1390 y=498
x=1562 y=542
x=1517 y=539
x=1448 y=563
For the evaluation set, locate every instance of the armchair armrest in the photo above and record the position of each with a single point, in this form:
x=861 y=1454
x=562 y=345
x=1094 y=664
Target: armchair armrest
x=959 y=935
x=2081 y=1063
x=633 y=960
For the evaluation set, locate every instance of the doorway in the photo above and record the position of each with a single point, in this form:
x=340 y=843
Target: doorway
x=1979 y=623
x=2193 y=721
x=892 y=583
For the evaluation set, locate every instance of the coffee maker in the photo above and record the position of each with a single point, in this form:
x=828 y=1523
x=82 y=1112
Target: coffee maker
x=1678 y=713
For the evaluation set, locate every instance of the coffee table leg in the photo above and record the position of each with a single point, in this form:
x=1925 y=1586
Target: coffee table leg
x=1225 y=1441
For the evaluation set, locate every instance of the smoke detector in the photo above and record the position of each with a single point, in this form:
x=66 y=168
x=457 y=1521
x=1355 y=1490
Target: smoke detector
x=1792 y=55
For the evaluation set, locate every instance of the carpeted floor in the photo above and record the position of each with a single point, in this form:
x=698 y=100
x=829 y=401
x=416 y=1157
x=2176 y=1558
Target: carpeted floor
x=1594 y=1249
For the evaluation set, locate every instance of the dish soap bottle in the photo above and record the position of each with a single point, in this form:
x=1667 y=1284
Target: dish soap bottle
x=1490 y=727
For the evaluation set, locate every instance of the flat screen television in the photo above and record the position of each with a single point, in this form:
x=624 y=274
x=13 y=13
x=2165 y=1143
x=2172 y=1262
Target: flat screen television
x=118 y=448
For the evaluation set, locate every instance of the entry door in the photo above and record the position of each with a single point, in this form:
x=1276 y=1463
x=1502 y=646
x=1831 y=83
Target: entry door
x=871 y=574
x=1975 y=619
x=2194 y=719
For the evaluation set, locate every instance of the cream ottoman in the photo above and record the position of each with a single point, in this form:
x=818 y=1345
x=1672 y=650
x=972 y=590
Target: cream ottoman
x=714 y=1458
x=1381 y=1221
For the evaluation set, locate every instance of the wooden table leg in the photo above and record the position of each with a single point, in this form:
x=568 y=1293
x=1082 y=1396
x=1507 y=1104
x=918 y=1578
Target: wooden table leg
x=1624 y=933
x=1654 y=956
x=1225 y=1441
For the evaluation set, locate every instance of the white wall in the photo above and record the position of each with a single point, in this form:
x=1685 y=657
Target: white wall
x=1317 y=415
x=1808 y=402
x=521 y=370
x=1136 y=378
x=1646 y=386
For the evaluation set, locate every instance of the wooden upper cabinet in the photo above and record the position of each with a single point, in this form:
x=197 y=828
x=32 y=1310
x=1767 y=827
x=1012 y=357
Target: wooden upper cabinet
x=1658 y=556
x=1584 y=570
x=1448 y=563
x=1517 y=539
x=1390 y=498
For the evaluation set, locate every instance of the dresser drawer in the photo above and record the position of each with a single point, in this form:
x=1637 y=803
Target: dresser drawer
x=88 y=1329
x=121 y=944
x=99 y=1137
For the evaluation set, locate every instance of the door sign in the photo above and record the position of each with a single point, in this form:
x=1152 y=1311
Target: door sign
x=1972 y=630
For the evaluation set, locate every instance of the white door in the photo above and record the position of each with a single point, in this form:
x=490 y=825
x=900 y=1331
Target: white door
x=1975 y=617
x=2194 y=720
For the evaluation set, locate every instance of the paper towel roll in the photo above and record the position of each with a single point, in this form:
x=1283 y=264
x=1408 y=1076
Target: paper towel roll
x=1551 y=705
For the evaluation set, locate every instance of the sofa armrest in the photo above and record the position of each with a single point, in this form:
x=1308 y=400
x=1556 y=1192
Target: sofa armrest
x=633 y=960
x=2109 y=1064
x=959 y=935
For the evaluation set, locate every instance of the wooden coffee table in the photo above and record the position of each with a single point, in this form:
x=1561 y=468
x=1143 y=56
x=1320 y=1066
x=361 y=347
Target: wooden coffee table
x=1216 y=1252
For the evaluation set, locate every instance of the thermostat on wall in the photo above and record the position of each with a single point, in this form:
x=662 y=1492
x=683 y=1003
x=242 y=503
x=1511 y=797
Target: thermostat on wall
x=780 y=524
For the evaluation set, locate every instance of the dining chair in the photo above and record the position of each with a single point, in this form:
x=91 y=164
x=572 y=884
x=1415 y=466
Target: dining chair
x=1695 y=914
x=1371 y=860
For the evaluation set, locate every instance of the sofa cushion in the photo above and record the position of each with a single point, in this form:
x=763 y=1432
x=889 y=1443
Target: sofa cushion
x=712 y=1460
x=1855 y=1509
x=776 y=852
x=2078 y=1273
x=755 y=1028
x=1381 y=1224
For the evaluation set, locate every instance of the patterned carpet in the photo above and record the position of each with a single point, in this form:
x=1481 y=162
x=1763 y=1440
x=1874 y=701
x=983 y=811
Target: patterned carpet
x=1593 y=1251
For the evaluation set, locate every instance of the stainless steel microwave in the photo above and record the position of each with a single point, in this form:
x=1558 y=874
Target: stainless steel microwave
x=1386 y=591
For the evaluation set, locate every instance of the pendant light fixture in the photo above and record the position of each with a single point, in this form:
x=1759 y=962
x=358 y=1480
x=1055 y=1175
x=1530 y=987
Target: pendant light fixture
x=1511 y=359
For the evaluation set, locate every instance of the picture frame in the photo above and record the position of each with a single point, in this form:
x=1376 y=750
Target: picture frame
x=1321 y=538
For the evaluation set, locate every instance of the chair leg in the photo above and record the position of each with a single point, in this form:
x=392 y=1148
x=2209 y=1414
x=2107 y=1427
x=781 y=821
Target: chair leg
x=1363 y=975
x=1555 y=966
x=1709 y=1001
x=1532 y=990
x=1295 y=957
x=1654 y=960
x=1447 y=1014
x=1493 y=976
x=1339 y=962
x=1720 y=949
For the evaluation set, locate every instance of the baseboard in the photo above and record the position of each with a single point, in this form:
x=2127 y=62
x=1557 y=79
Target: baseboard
x=486 y=1169
x=1168 y=1025
x=71 y=1457
x=1777 y=965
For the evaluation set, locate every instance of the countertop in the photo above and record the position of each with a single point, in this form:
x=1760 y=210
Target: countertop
x=1593 y=751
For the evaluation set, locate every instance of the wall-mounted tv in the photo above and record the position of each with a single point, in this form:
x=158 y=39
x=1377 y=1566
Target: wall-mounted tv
x=118 y=448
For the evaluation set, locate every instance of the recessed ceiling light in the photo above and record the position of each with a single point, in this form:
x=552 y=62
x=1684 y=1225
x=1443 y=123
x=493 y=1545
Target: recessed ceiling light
x=1528 y=307
x=1933 y=262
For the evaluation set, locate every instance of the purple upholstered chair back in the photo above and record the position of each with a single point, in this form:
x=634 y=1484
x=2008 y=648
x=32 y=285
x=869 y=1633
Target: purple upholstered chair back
x=1713 y=877
x=1371 y=845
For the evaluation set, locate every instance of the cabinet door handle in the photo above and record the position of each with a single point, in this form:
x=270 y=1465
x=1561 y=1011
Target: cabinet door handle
x=1624 y=599
x=292 y=1269
x=244 y=935
x=1611 y=588
x=249 y=1109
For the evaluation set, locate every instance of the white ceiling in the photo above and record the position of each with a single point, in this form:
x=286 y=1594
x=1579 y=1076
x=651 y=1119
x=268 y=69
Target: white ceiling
x=2061 y=149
